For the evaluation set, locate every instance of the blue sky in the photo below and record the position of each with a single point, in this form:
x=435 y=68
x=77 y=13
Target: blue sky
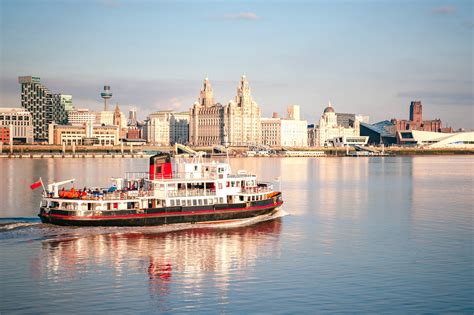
x=368 y=57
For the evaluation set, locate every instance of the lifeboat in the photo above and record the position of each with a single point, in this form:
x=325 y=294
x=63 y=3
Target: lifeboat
x=70 y=194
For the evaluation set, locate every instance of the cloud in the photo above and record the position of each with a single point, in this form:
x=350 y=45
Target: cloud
x=244 y=16
x=173 y=104
x=444 y=98
x=444 y=10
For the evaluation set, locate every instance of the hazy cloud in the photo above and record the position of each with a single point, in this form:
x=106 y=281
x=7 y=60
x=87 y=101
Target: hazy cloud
x=444 y=98
x=244 y=16
x=444 y=10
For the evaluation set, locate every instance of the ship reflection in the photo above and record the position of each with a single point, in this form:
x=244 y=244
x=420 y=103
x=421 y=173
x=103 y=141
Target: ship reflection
x=190 y=256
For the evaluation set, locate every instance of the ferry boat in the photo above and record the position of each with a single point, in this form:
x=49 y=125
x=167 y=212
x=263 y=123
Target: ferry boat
x=175 y=190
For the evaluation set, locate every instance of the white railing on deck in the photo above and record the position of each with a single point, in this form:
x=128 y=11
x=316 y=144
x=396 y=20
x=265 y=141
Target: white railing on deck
x=191 y=193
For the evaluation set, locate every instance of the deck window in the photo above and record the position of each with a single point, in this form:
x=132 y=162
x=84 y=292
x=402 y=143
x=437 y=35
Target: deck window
x=172 y=203
x=194 y=202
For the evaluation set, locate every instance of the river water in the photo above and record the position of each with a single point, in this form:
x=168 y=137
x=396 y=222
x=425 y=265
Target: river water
x=355 y=235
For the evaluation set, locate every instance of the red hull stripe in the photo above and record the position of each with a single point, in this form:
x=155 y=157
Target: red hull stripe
x=141 y=215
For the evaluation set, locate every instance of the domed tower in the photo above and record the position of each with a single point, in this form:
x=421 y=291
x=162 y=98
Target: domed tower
x=106 y=94
x=329 y=116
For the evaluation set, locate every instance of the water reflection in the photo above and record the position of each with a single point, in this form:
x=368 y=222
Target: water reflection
x=185 y=258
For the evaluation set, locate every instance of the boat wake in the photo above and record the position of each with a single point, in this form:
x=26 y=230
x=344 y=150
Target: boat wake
x=9 y=224
x=32 y=227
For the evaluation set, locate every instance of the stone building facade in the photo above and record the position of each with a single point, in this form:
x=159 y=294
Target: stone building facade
x=235 y=124
x=288 y=132
x=167 y=128
x=329 y=129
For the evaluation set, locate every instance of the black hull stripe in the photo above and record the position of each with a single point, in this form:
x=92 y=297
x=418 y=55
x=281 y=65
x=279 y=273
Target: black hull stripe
x=143 y=215
x=162 y=220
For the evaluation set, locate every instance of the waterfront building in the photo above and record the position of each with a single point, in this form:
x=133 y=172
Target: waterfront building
x=134 y=127
x=436 y=139
x=271 y=131
x=289 y=132
x=81 y=116
x=242 y=118
x=293 y=112
x=206 y=126
x=66 y=102
x=5 y=135
x=237 y=123
x=179 y=128
x=45 y=107
x=16 y=124
x=383 y=132
x=313 y=136
x=343 y=141
x=347 y=120
x=132 y=117
x=416 y=121
x=329 y=128
x=86 y=134
x=167 y=128
x=157 y=128
x=111 y=118
x=104 y=118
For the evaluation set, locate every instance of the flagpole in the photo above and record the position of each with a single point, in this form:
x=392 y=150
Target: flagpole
x=44 y=189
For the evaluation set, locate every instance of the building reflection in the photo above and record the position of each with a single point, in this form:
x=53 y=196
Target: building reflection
x=188 y=255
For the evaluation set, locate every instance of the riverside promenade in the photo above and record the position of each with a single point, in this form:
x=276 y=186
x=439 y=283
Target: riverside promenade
x=143 y=151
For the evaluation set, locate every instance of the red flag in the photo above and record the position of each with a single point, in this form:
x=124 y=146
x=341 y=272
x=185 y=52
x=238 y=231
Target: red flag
x=35 y=185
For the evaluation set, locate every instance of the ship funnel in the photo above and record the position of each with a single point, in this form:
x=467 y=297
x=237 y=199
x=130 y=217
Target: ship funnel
x=160 y=166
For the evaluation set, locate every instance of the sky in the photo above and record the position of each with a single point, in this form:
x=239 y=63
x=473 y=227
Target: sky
x=370 y=57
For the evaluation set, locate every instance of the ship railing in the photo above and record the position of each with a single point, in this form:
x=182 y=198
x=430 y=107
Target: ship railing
x=254 y=190
x=117 y=195
x=136 y=175
x=191 y=193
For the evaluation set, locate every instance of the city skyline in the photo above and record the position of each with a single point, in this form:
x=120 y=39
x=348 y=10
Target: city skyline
x=368 y=58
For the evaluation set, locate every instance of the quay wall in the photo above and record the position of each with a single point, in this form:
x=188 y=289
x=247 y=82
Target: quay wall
x=142 y=151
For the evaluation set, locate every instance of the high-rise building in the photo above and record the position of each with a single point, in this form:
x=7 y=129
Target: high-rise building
x=66 y=102
x=44 y=106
